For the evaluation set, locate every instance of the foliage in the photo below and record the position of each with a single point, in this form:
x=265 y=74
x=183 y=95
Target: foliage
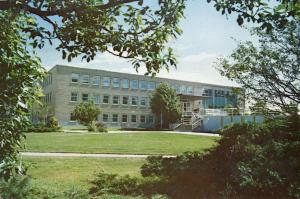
x=114 y=184
x=97 y=127
x=52 y=122
x=41 y=128
x=265 y=13
x=231 y=110
x=251 y=161
x=16 y=187
x=39 y=111
x=20 y=70
x=166 y=103
x=269 y=73
x=131 y=29
x=86 y=112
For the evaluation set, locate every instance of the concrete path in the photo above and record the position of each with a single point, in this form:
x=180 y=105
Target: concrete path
x=87 y=155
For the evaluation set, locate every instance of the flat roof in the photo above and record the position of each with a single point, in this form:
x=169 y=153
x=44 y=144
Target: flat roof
x=137 y=75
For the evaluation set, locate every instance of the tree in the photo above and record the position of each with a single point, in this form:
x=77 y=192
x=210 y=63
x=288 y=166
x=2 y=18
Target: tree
x=266 y=13
x=270 y=73
x=165 y=104
x=125 y=28
x=86 y=112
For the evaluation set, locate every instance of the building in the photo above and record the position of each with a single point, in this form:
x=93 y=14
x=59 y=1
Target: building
x=124 y=98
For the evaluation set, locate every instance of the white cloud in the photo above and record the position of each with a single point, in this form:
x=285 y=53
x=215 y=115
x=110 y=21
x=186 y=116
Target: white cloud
x=198 y=58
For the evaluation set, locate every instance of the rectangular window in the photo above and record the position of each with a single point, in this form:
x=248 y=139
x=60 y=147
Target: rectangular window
x=134 y=84
x=105 y=99
x=96 y=98
x=74 y=97
x=134 y=100
x=207 y=92
x=125 y=100
x=133 y=118
x=143 y=85
x=143 y=101
x=151 y=86
x=106 y=81
x=189 y=90
x=115 y=99
x=151 y=119
x=116 y=83
x=125 y=83
x=85 y=79
x=96 y=80
x=105 y=117
x=124 y=118
x=182 y=89
x=115 y=118
x=143 y=119
x=75 y=78
x=85 y=97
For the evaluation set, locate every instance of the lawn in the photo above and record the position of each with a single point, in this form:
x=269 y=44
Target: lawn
x=123 y=143
x=60 y=174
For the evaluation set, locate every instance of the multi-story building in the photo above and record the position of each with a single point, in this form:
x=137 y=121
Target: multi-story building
x=124 y=98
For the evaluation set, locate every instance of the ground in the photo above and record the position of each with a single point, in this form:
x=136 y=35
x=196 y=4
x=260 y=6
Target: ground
x=58 y=174
x=154 y=143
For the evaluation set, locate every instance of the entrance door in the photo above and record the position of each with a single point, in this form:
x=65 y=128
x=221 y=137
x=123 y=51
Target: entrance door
x=187 y=107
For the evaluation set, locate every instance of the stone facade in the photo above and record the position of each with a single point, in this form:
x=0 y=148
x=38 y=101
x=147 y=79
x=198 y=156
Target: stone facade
x=67 y=86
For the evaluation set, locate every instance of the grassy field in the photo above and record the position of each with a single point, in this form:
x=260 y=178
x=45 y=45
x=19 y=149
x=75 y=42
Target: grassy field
x=62 y=173
x=123 y=143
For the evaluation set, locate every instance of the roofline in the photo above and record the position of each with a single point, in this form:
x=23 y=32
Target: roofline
x=162 y=78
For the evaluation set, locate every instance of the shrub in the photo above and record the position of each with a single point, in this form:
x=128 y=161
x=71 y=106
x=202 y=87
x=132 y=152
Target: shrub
x=92 y=126
x=250 y=161
x=15 y=187
x=101 y=127
x=52 y=122
x=86 y=112
x=41 y=128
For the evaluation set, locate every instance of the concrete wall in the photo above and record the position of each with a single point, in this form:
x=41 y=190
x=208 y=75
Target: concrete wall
x=214 y=123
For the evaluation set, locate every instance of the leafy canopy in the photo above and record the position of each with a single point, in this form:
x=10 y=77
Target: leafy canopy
x=269 y=72
x=86 y=112
x=166 y=103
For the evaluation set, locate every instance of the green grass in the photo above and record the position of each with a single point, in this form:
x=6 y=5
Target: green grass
x=123 y=143
x=59 y=174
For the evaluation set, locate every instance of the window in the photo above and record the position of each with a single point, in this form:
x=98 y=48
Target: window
x=207 y=92
x=151 y=119
x=133 y=118
x=125 y=83
x=143 y=85
x=105 y=99
x=143 y=119
x=219 y=93
x=189 y=90
x=115 y=118
x=75 y=78
x=74 y=97
x=134 y=100
x=151 y=86
x=105 y=117
x=124 y=118
x=125 y=100
x=143 y=101
x=115 y=99
x=134 y=84
x=106 y=81
x=85 y=97
x=116 y=82
x=96 y=80
x=96 y=99
x=85 y=79
x=182 y=89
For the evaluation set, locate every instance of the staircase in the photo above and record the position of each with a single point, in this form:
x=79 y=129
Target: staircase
x=190 y=121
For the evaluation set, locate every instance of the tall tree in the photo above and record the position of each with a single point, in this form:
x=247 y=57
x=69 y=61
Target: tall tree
x=270 y=72
x=126 y=28
x=165 y=104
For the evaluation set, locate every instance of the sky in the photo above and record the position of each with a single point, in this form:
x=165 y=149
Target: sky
x=207 y=35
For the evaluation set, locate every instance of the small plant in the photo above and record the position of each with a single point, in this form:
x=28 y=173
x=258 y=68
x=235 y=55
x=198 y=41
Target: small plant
x=92 y=127
x=16 y=187
x=101 y=127
x=52 y=122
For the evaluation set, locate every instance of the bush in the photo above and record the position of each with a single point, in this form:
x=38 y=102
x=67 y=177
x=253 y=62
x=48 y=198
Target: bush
x=251 y=161
x=15 y=187
x=52 y=122
x=97 y=127
x=41 y=128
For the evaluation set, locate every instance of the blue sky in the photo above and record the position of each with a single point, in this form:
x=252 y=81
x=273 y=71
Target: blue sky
x=206 y=36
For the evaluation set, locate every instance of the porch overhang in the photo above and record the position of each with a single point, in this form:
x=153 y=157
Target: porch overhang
x=192 y=97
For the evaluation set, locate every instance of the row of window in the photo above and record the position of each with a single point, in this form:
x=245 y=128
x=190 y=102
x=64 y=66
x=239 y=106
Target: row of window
x=115 y=99
x=126 y=83
x=124 y=118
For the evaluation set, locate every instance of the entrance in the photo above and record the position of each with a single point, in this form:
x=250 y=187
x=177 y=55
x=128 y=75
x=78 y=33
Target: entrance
x=186 y=107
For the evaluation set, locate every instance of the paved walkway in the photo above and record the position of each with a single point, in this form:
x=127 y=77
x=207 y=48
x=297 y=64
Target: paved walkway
x=87 y=155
